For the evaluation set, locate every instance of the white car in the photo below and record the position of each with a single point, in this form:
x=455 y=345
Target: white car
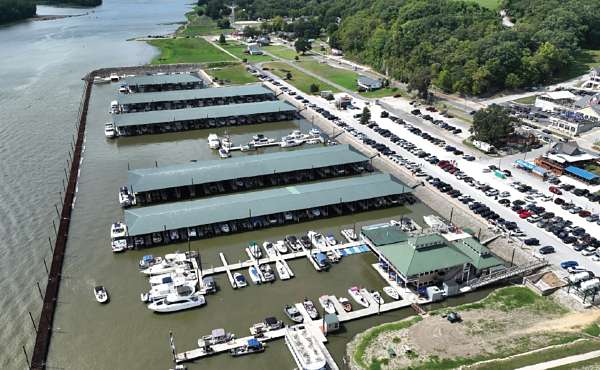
x=595 y=257
x=587 y=252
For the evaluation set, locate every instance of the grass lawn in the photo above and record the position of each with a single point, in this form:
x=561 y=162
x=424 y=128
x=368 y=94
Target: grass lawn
x=281 y=51
x=381 y=93
x=342 y=77
x=299 y=79
x=238 y=49
x=182 y=50
x=200 y=26
x=584 y=60
x=593 y=168
x=232 y=74
x=529 y=100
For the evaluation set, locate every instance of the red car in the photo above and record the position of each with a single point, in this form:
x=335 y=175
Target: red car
x=525 y=214
x=555 y=190
x=584 y=213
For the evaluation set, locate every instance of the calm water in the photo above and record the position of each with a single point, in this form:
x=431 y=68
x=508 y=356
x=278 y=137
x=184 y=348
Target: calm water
x=41 y=66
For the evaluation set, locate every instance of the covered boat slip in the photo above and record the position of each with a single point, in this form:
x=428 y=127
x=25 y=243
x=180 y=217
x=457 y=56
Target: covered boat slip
x=156 y=122
x=163 y=82
x=130 y=103
x=205 y=218
x=193 y=180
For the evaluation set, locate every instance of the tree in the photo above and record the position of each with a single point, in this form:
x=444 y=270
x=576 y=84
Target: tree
x=444 y=81
x=420 y=80
x=222 y=39
x=296 y=57
x=302 y=45
x=288 y=75
x=366 y=116
x=512 y=81
x=314 y=88
x=223 y=23
x=278 y=23
x=492 y=125
x=214 y=9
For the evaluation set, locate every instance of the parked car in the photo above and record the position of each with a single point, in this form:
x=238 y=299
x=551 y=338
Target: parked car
x=531 y=241
x=547 y=249
x=569 y=264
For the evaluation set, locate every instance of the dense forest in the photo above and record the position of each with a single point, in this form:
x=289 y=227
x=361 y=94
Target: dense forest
x=13 y=10
x=459 y=46
x=72 y=2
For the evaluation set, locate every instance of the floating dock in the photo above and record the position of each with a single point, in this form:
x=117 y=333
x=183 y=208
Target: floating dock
x=162 y=82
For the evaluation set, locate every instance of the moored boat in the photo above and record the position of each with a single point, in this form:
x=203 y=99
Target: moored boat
x=327 y=304
x=240 y=280
x=149 y=260
x=213 y=141
x=281 y=247
x=269 y=324
x=101 y=294
x=391 y=292
x=292 y=313
x=309 y=306
x=345 y=303
x=217 y=336
x=282 y=271
x=270 y=249
x=224 y=153
x=293 y=243
x=109 y=130
x=252 y=346
x=126 y=198
x=356 y=294
x=331 y=240
x=377 y=297
x=267 y=273
x=255 y=250
x=177 y=303
x=318 y=240
x=254 y=275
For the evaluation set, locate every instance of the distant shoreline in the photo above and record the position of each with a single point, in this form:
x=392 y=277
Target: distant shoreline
x=39 y=18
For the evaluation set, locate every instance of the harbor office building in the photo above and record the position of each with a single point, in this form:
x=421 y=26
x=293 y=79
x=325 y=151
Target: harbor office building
x=217 y=177
x=426 y=259
x=208 y=217
x=180 y=99
x=156 y=122
x=163 y=82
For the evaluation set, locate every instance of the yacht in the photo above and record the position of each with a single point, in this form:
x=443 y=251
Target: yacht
x=317 y=240
x=126 y=198
x=162 y=291
x=213 y=141
x=260 y=139
x=255 y=250
x=294 y=135
x=292 y=313
x=224 y=153
x=114 y=77
x=282 y=271
x=327 y=304
x=118 y=244
x=173 y=303
x=109 y=130
x=118 y=230
x=101 y=80
x=240 y=280
x=306 y=351
x=149 y=260
x=290 y=143
x=114 y=107
x=254 y=275
x=310 y=308
x=271 y=252
x=170 y=263
x=356 y=294
x=174 y=277
x=101 y=294
x=267 y=272
x=391 y=292
x=281 y=247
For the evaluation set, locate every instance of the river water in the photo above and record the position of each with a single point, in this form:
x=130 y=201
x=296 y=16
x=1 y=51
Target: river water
x=41 y=64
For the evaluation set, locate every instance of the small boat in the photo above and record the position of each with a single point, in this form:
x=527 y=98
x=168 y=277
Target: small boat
x=321 y=260
x=331 y=240
x=118 y=230
x=109 y=130
x=255 y=250
x=350 y=235
x=332 y=256
x=310 y=308
x=377 y=297
x=391 y=292
x=118 y=244
x=358 y=297
x=293 y=243
x=345 y=303
x=213 y=141
x=314 y=132
x=123 y=89
x=225 y=227
x=114 y=107
x=252 y=346
x=270 y=249
x=148 y=261
x=282 y=271
x=305 y=241
x=318 y=240
x=294 y=135
x=226 y=142
x=254 y=275
x=260 y=139
x=267 y=272
x=290 y=143
x=224 y=153
x=114 y=77
x=100 y=80
x=327 y=304
x=101 y=294
x=293 y=314
x=240 y=280
x=281 y=247
x=217 y=336
x=126 y=198
x=176 y=303
x=269 y=324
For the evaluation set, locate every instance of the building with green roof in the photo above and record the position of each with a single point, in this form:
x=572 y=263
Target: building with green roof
x=163 y=82
x=198 y=179
x=207 y=217
x=423 y=259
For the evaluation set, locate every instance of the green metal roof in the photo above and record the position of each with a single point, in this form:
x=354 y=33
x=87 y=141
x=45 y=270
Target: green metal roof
x=219 y=111
x=193 y=94
x=180 y=78
x=148 y=179
x=430 y=252
x=383 y=234
x=178 y=215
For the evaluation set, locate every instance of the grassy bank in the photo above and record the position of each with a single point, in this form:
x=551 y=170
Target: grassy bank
x=238 y=49
x=584 y=60
x=200 y=25
x=340 y=76
x=300 y=80
x=529 y=100
x=231 y=74
x=184 y=50
x=281 y=51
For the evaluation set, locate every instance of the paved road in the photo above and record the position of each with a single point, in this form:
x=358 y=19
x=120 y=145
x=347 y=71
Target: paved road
x=562 y=361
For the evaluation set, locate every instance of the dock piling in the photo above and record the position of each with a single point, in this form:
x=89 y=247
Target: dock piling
x=40 y=290
x=46 y=266
x=32 y=321
x=26 y=357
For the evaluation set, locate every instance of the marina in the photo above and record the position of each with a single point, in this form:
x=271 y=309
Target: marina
x=162 y=82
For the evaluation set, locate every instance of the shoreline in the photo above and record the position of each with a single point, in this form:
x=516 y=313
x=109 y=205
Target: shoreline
x=49 y=17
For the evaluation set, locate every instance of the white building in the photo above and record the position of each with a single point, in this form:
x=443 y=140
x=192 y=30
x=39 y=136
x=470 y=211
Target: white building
x=593 y=81
x=552 y=101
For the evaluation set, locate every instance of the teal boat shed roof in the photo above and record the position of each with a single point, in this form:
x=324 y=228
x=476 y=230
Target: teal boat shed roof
x=178 y=78
x=194 y=94
x=148 y=179
x=190 y=114
x=239 y=206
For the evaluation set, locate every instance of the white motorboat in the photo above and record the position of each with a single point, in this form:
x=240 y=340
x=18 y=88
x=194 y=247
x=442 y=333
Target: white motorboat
x=114 y=107
x=176 y=303
x=123 y=89
x=293 y=243
x=292 y=313
x=225 y=227
x=305 y=350
x=270 y=249
x=281 y=247
x=149 y=260
x=269 y=324
x=333 y=256
x=327 y=304
x=171 y=262
x=309 y=306
x=226 y=142
x=345 y=302
x=314 y=132
x=255 y=250
x=181 y=289
x=174 y=277
x=100 y=80
x=217 y=336
x=118 y=230
x=254 y=275
x=126 y=198
x=282 y=271
x=251 y=346
x=260 y=139
x=331 y=240
x=290 y=143
x=224 y=153
x=317 y=240
x=114 y=77
x=377 y=297
x=240 y=280
x=118 y=244
x=267 y=273
x=101 y=294
x=356 y=294
x=349 y=234
x=391 y=292
x=294 y=135
x=213 y=141
x=109 y=130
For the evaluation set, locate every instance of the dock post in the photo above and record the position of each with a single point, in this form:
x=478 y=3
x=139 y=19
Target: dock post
x=58 y=213
x=64 y=188
x=40 y=290
x=54 y=226
x=32 y=321
x=26 y=357
x=46 y=266
x=50 y=241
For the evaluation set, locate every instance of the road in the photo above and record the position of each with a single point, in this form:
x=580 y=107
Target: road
x=562 y=361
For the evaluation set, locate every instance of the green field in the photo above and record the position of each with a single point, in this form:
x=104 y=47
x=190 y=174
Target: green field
x=183 y=50
x=200 y=26
x=299 y=79
x=232 y=74
x=381 y=93
x=281 y=51
x=238 y=49
x=584 y=60
x=529 y=100
x=342 y=77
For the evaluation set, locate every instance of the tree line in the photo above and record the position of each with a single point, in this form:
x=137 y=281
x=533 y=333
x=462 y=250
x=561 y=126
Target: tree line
x=14 y=10
x=458 y=46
